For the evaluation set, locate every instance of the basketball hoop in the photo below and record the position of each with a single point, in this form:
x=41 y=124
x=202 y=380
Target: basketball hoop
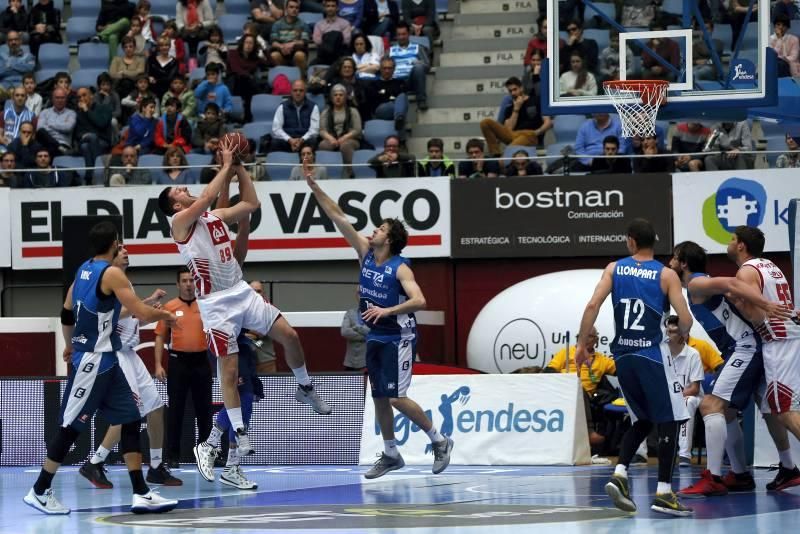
x=637 y=102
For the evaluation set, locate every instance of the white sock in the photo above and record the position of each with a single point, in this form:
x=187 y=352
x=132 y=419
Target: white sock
x=663 y=487
x=233 y=456
x=100 y=456
x=785 y=457
x=390 y=448
x=716 y=437
x=621 y=471
x=734 y=445
x=235 y=416
x=155 y=458
x=215 y=437
x=301 y=374
x=433 y=433
x=642 y=449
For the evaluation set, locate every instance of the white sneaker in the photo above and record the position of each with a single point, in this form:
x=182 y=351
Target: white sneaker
x=151 y=502
x=243 y=442
x=308 y=395
x=47 y=503
x=205 y=455
x=233 y=476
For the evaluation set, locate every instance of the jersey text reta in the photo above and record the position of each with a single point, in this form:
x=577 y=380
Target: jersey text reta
x=775 y=288
x=208 y=254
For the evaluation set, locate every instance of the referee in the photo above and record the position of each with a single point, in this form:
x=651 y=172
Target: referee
x=189 y=368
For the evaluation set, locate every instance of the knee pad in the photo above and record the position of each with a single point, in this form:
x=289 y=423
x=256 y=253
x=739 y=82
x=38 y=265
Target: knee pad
x=59 y=446
x=129 y=441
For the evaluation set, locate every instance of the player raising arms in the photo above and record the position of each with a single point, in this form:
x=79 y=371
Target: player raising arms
x=389 y=296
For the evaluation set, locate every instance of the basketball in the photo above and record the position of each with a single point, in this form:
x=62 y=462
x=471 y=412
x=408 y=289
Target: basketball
x=238 y=143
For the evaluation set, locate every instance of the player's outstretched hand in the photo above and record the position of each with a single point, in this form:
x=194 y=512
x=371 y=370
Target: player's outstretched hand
x=153 y=300
x=373 y=313
x=226 y=152
x=312 y=183
x=778 y=310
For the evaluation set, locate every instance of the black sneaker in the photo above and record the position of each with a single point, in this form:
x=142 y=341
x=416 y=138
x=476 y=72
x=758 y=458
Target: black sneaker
x=619 y=489
x=173 y=464
x=160 y=476
x=786 y=478
x=96 y=474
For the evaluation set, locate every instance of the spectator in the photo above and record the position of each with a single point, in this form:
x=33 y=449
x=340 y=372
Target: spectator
x=380 y=17
x=421 y=17
x=350 y=10
x=130 y=104
x=532 y=81
x=14 y=18
x=539 y=40
x=411 y=63
x=136 y=32
x=43 y=174
x=92 y=127
x=209 y=130
x=436 y=163
x=56 y=124
x=125 y=69
x=128 y=173
x=387 y=98
x=668 y=50
x=522 y=165
x=215 y=49
x=14 y=64
x=587 y=48
x=638 y=13
x=709 y=356
x=589 y=141
x=14 y=115
x=34 y=100
x=8 y=163
x=64 y=81
x=161 y=68
x=343 y=73
x=177 y=48
x=577 y=81
x=296 y=121
x=790 y=159
x=308 y=159
x=331 y=34
x=611 y=164
x=174 y=170
x=785 y=7
x=367 y=62
x=522 y=123
x=213 y=90
x=142 y=127
x=25 y=146
x=178 y=89
x=608 y=66
x=649 y=147
x=702 y=55
x=354 y=331
x=113 y=23
x=737 y=13
x=265 y=13
x=340 y=127
x=145 y=20
x=691 y=137
x=173 y=129
x=733 y=138
x=391 y=163
x=251 y=28
x=44 y=25
x=193 y=18
x=786 y=46
x=244 y=62
x=476 y=166
x=289 y=39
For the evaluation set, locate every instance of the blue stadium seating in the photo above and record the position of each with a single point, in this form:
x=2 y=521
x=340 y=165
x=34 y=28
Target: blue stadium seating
x=376 y=130
x=362 y=157
x=80 y=28
x=263 y=107
x=86 y=77
x=255 y=130
x=93 y=56
x=332 y=161
x=54 y=56
x=284 y=162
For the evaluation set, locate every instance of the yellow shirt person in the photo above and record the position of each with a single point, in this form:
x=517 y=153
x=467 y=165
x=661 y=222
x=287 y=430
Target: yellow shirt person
x=710 y=356
x=598 y=365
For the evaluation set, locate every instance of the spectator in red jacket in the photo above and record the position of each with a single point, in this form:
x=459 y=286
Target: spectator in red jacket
x=173 y=130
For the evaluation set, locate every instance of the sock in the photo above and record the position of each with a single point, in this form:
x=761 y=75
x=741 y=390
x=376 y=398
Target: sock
x=433 y=433
x=233 y=456
x=301 y=374
x=43 y=482
x=215 y=437
x=138 y=483
x=786 y=458
x=390 y=448
x=734 y=445
x=663 y=487
x=621 y=471
x=155 y=458
x=716 y=435
x=235 y=415
x=100 y=456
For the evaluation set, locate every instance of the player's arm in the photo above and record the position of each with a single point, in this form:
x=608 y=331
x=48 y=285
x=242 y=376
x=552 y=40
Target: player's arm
x=243 y=233
x=416 y=300
x=692 y=389
x=67 y=324
x=747 y=286
x=248 y=199
x=115 y=281
x=671 y=285
x=158 y=353
x=592 y=310
x=335 y=214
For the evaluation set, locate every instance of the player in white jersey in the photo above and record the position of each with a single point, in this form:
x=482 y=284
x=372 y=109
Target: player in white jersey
x=227 y=303
x=147 y=399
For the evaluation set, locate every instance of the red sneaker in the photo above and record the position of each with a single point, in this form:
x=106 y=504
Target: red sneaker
x=705 y=487
x=741 y=482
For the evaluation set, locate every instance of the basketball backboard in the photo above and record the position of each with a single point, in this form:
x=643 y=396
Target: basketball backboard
x=717 y=63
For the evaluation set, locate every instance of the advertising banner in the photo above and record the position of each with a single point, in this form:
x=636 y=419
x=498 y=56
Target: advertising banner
x=289 y=225
x=547 y=216
x=5 y=239
x=708 y=206
x=493 y=419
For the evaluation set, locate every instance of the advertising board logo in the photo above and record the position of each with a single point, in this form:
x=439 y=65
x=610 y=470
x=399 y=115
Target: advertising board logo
x=519 y=343
x=743 y=72
x=737 y=202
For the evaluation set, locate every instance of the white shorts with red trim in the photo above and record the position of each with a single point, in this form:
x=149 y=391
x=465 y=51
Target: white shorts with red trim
x=141 y=382
x=226 y=313
x=782 y=372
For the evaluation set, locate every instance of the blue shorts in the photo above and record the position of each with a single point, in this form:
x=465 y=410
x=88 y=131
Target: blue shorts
x=89 y=390
x=389 y=363
x=651 y=389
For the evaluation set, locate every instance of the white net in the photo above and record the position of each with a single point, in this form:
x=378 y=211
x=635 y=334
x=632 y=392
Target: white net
x=637 y=103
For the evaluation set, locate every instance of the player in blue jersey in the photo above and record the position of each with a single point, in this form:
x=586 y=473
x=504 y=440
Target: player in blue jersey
x=724 y=308
x=642 y=291
x=90 y=317
x=389 y=296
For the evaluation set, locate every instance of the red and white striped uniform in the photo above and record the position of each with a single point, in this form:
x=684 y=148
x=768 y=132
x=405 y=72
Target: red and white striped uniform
x=208 y=254
x=775 y=288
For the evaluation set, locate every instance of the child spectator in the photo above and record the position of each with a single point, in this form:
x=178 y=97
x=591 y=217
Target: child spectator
x=209 y=130
x=173 y=129
x=178 y=89
x=142 y=127
x=213 y=90
x=131 y=102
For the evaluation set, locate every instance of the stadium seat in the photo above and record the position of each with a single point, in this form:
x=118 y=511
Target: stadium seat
x=319 y=100
x=237 y=7
x=99 y=172
x=601 y=36
x=45 y=74
x=376 y=130
x=198 y=74
x=566 y=126
x=152 y=160
x=263 y=107
x=293 y=73
x=85 y=8
x=442 y=6
x=593 y=20
x=360 y=158
x=332 y=161
x=70 y=162
x=237 y=110
x=310 y=19
x=93 y=56
x=54 y=56
x=421 y=40
x=255 y=130
x=80 y=28
x=198 y=159
x=86 y=77
x=283 y=163
x=231 y=26
x=163 y=8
